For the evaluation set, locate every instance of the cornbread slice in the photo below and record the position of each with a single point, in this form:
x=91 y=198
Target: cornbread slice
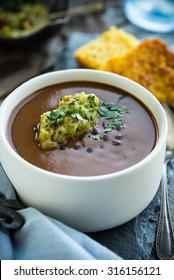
x=111 y=43
x=151 y=64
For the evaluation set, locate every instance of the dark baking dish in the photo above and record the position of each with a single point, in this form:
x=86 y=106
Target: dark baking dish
x=43 y=33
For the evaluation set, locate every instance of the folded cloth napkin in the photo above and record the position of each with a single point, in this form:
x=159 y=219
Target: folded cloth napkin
x=44 y=238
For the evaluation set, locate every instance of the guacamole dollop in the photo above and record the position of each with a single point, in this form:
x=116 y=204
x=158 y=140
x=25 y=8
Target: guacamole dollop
x=73 y=117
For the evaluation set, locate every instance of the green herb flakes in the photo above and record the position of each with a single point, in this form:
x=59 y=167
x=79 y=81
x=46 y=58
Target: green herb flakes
x=75 y=116
x=116 y=123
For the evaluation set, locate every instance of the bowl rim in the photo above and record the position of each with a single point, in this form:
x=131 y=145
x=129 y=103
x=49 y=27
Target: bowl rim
x=16 y=94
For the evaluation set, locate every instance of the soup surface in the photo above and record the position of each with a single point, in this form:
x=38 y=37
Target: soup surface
x=84 y=156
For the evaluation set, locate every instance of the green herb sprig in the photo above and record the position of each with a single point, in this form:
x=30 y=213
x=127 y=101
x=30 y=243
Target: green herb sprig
x=95 y=136
x=105 y=110
x=74 y=116
x=56 y=116
x=112 y=111
x=116 y=123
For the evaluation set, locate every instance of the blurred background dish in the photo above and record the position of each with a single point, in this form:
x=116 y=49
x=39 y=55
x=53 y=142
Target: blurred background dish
x=152 y=15
x=25 y=22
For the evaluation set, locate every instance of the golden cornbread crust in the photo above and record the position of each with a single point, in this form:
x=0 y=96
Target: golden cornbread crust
x=151 y=64
x=113 y=42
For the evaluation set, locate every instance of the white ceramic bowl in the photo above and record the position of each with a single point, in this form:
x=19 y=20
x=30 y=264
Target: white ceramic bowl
x=86 y=203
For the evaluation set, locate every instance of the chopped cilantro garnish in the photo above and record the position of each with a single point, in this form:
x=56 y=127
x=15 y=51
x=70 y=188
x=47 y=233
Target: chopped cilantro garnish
x=110 y=107
x=75 y=115
x=112 y=111
x=91 y=99
x=122 y=97
x=113 y=125
x=56 y=116
x=95 y=136
x=104 y=112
